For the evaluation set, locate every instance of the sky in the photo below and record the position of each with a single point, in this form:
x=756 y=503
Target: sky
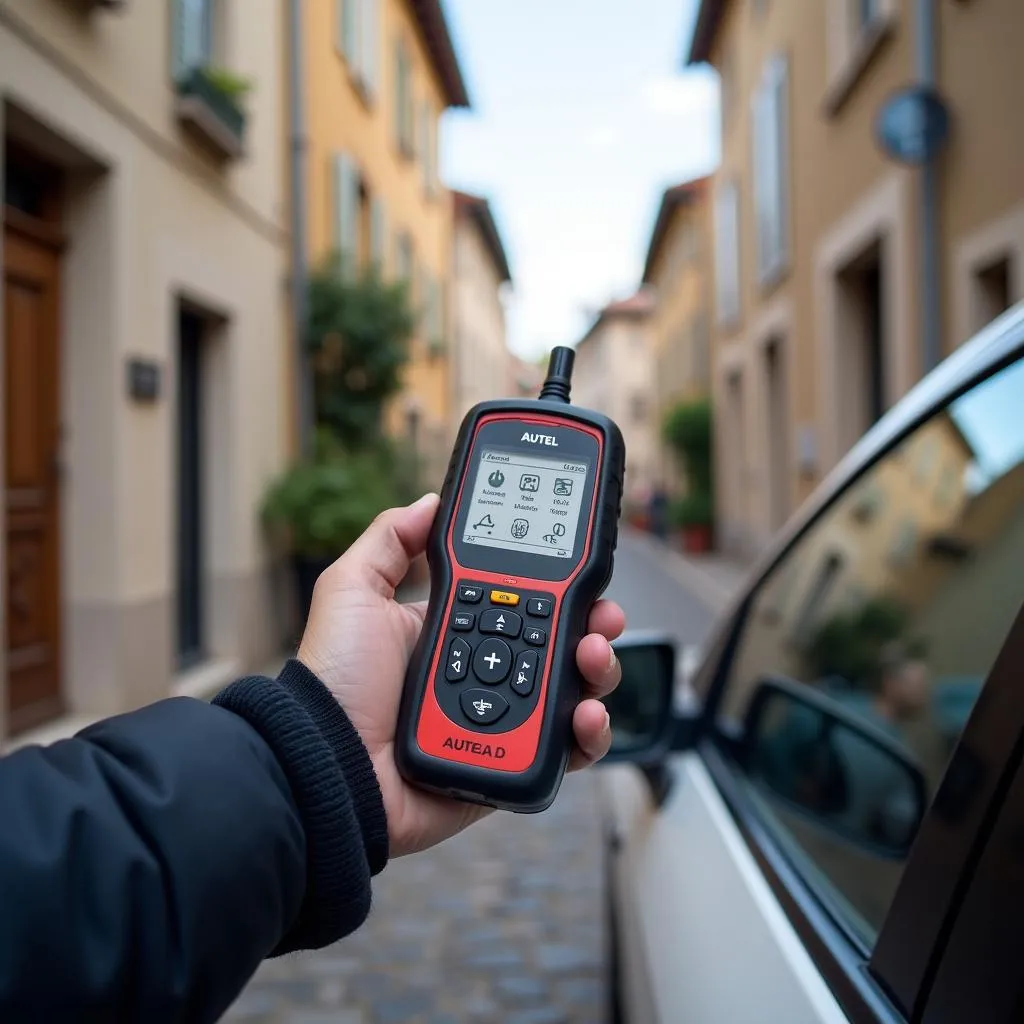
x=582 y=115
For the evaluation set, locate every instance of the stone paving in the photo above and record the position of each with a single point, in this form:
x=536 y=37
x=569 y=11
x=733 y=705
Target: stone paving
x=505 y=923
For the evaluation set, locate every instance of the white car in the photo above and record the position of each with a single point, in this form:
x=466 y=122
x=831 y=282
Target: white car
x=836 y=832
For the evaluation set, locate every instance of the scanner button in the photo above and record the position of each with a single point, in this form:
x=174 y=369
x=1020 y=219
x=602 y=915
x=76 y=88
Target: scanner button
x=470 y=592
x=504 y=597
x=492 y=661
x=524 y=673
x=463 y=621
x=539 y=606
x=500 y=623
x=458 y=660
x=482 y=706
x=536 y=637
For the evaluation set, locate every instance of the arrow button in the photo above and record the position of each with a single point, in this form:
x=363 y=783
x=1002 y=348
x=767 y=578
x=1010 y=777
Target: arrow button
x=500 y=623
x=458 y=660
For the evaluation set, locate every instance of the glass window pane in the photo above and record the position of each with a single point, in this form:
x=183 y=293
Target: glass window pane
x=895 y=605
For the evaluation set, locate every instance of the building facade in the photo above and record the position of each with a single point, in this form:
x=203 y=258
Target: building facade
x=819 y=240
x=378 y=74
x=145 y=261
x=614 y=374
x=480 y=279
x=675 y=272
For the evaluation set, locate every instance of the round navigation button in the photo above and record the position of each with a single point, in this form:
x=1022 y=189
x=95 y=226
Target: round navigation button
x=482 y=706
x=492 y=661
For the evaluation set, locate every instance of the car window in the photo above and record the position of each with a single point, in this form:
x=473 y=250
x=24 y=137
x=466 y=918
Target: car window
x=895 y=604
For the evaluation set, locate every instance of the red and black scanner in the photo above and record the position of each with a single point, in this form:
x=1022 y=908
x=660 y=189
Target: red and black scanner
x=521 y=548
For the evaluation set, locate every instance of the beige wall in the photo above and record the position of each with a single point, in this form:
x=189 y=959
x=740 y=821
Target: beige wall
x=481 y=356
x=844 y=198
x=150 y=219
x=614 y=374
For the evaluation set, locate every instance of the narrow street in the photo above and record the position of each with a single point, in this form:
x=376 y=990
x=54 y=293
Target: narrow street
x=505 y=923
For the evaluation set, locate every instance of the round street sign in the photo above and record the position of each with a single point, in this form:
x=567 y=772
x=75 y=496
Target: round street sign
x=912 y=125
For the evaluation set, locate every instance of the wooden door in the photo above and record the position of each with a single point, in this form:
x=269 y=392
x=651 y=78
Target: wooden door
x=31 y=404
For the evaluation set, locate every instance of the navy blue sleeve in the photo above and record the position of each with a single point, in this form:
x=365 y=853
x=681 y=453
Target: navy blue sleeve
x=148 y=865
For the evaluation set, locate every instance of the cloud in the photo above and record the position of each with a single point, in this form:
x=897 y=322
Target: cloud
x=694 y=94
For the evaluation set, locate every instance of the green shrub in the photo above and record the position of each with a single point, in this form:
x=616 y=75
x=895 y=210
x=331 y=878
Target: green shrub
x=694 y=509
x=687 y=430
x=227 y=83
x=851 y=644
x=357 y=329
x=321 y=504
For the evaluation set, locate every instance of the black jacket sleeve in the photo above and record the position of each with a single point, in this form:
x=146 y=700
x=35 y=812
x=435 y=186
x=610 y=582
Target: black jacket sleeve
x=149 y=864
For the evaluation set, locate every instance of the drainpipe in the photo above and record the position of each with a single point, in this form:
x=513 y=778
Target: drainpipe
x=930 y=263
x=300 y=270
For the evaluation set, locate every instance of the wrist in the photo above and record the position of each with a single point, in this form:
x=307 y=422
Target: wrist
x=350 y=753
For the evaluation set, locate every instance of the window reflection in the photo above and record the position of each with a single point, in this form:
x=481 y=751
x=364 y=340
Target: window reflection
x=897 y=602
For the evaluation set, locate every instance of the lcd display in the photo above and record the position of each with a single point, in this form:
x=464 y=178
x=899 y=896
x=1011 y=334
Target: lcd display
x=526 y=502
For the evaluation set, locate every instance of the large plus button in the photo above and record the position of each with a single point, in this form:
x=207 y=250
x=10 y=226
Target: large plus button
x=492 y=661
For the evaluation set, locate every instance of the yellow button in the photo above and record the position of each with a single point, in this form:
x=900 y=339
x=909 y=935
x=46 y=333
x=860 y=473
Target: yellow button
x=504 y=597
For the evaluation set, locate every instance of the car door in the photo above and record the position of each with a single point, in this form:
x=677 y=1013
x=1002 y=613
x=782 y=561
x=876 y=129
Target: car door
x=894 y=600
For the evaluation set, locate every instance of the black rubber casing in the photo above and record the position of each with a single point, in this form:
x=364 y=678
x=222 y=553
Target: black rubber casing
x=535 y=788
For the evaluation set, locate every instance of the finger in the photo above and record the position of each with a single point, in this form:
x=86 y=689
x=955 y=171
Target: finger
x=593 y=730
x=597 y=662
x=606 y=618
x=382 y=555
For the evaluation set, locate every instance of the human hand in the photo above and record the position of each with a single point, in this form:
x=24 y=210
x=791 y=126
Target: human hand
x=359 y=639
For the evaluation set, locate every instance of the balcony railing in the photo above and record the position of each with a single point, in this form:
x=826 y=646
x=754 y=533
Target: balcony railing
x=212 y=112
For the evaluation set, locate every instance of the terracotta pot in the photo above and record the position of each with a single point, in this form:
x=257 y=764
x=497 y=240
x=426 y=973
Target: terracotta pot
x=697 y=538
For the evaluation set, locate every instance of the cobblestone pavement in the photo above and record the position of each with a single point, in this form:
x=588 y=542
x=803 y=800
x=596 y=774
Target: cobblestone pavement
x=504 y=923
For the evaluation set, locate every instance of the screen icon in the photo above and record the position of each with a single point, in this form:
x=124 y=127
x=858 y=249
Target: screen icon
x=487 y=523
x=520 y=528
x=529 y=482
x=556 y=534
x=563 y=487
x=496 y=479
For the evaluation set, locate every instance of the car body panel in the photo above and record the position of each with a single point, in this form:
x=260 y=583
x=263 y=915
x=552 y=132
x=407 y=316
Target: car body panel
x=712 y=938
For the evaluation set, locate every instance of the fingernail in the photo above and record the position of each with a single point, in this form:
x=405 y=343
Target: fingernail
x=607 y=727
x=611 y=658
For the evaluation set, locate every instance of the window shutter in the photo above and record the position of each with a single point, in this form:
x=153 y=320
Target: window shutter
x=425 y=146
x=369 y=63
x=192 y=24
x=348 y=30
x=378 y=234
x=727 y=252
x=771 y=172
x=346 y=209
x=780 y=95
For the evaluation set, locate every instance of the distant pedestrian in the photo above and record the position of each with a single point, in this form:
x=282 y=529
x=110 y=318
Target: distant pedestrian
x=659 y=511
x=149 y=864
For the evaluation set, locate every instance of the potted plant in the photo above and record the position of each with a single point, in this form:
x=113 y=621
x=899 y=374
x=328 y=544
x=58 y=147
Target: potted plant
x=693 y=516
x=322 y=503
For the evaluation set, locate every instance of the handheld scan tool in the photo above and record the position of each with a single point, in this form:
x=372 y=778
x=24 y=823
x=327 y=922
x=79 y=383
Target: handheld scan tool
x=521 y=549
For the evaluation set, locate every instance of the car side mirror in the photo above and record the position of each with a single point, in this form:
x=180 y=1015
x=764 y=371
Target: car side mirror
x=641 y=707
x=807 y=754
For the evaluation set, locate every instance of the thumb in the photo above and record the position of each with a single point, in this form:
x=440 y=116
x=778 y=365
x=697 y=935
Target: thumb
x=380 y=558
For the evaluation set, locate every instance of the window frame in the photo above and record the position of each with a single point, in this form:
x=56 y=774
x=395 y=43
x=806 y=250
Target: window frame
x=181 y=66
x=891 y=981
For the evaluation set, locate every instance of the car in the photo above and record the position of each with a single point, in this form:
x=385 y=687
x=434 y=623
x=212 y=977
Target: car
x=831 y=826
